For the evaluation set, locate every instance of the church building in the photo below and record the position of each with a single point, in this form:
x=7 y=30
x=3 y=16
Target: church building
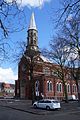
x=46 y=82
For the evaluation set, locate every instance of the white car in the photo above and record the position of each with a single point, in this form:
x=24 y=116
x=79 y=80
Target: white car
x=72 y=97
x=47 y=104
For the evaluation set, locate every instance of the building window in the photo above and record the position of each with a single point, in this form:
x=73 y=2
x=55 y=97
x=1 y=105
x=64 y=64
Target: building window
x=46 y=71
x=31 y=34
x=68 y=87
x=74 y=88
x=37 y=88
x=59 y=87
x=55 y=73
x=34 y=42
x=79 y=86
x=69 y=76
x=49 y=86
x=35 y=34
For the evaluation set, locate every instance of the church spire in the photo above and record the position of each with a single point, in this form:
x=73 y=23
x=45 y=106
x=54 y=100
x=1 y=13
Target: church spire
x=32 y=39
x=32 y=22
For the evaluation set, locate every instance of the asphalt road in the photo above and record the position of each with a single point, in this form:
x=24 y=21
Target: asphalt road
x=11 y=114
x=68 y=112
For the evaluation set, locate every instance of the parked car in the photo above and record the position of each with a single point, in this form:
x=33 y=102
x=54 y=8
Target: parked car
x=47 y=104
x=72 y=97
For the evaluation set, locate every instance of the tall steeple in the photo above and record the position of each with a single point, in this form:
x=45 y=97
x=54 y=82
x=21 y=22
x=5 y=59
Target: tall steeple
x=32 y=23
x=32 y=39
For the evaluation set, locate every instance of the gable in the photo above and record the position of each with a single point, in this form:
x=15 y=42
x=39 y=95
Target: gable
x=41 y=58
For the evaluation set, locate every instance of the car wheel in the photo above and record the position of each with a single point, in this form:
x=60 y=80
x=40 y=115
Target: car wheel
x=35 y=106
x=47 y=108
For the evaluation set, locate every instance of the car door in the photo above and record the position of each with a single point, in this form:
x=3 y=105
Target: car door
x=47 y=103
x=41 y=104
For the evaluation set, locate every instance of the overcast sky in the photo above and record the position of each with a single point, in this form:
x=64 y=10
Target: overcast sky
x=43 y=10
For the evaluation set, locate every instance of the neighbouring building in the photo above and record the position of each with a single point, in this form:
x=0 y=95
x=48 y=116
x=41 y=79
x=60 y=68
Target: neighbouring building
x=7 y=90
x=47 y=84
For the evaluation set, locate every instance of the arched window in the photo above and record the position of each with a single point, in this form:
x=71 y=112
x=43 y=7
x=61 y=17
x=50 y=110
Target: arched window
x=74 y=88
x=49 y=86
x=79 y=86
x=31 y=33
x=37 y=88
x=34 y=42
x=59 y=87
x=68 y=87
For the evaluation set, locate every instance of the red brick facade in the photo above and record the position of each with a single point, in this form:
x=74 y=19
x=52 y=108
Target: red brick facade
x=49 y=85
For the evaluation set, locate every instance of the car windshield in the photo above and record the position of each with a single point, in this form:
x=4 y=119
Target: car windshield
x=40 y=101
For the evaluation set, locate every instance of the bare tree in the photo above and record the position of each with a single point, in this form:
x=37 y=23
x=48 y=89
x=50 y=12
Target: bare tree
x=69 y=17
x=68 y=8
x=12 y=19
x=71 y=31
x=59 y=54
x=75 y=72
x=9 y=13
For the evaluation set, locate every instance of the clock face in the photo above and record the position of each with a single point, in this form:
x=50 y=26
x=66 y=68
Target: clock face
x=23 y=67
